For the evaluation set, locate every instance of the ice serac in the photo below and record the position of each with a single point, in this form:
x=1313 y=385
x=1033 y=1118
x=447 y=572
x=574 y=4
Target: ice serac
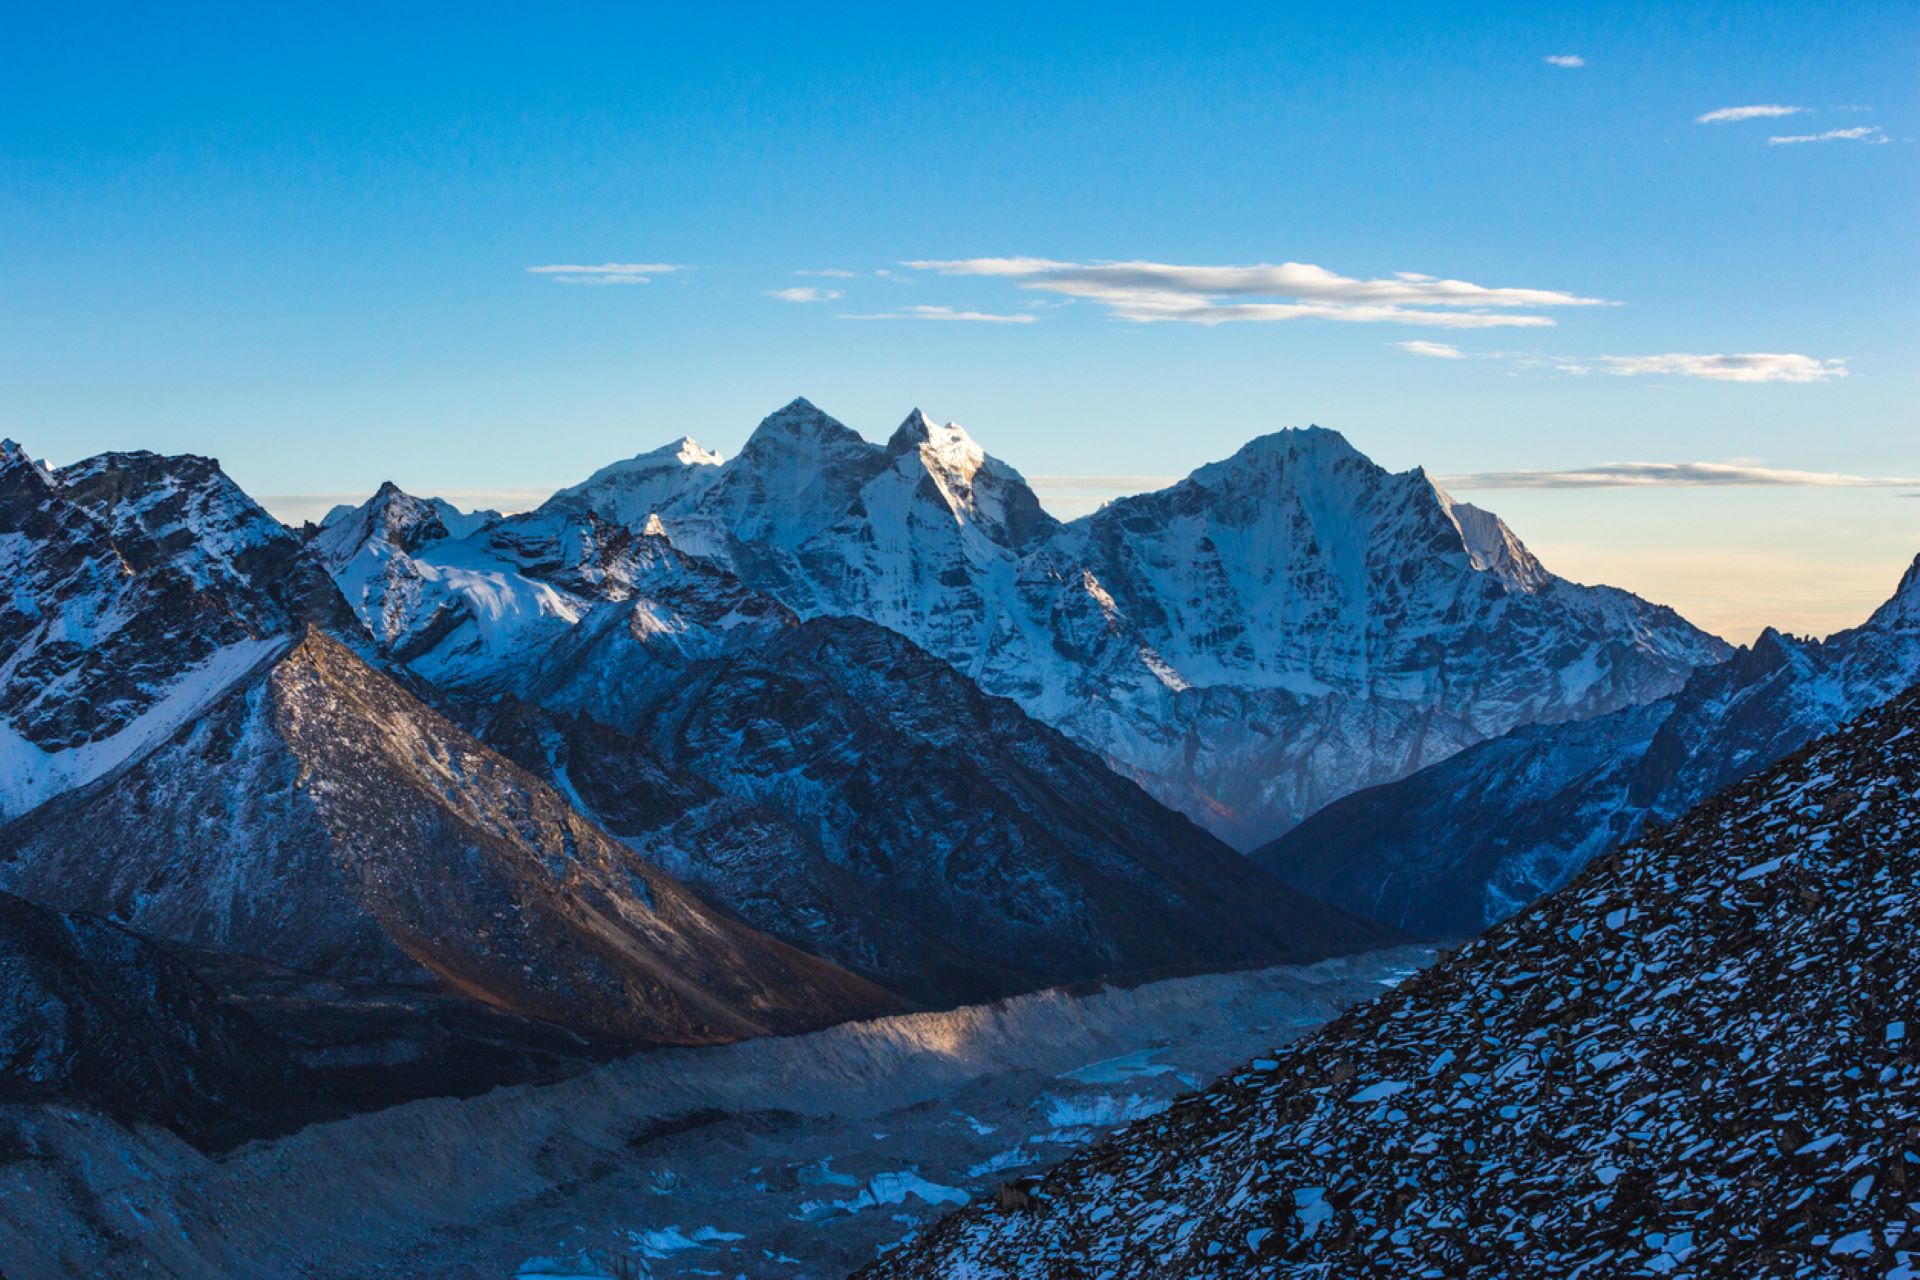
x=1279 y=629
x=322 y=817
x=140 y=586
x=1476 y=837
x=1620 y=1081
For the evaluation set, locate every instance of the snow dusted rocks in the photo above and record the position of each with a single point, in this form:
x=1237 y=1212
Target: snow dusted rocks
x=321 y=817
x=139 y=587
x=1476 y=837
x=1273 y=632
x=1695 y=1060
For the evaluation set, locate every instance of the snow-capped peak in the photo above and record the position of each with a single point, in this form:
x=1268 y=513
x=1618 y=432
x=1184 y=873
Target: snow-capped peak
x=1902 y=611
x=1491 y=545
x=689 y=452
x=947 y=448
x=628 y=492
x=1282 y=451
x=799 y=421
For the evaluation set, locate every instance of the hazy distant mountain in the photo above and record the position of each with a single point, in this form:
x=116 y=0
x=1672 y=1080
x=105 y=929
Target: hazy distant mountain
x=1697 y=1059
x=1275 y=631
x=1472 y=839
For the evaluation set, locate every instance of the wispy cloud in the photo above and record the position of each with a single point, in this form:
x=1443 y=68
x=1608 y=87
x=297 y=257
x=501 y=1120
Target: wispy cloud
x=942 y=313
x=1566 y=60
x=1636 y=475
x=606 y=272
x=830 y=273
x=1759 y=111
x=1751 y=366
x=808 y=293
x=1147 y=292
x=1437 y=350
x=1868 y=133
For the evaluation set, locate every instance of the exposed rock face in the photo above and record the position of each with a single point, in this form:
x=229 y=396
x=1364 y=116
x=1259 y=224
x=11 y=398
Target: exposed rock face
x=139 y=586
x=836 y=786
x=322 y=817
x=94 y=1016
x=1472 y=839
x=1697 y=1059
x=1277 y=630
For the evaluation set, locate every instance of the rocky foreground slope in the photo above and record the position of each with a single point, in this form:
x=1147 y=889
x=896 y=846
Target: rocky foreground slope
x=1471 y=840
x=1699 y=1059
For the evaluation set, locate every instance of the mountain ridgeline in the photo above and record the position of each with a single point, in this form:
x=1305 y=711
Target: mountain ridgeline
x=1472 y=839
x=1275 y=631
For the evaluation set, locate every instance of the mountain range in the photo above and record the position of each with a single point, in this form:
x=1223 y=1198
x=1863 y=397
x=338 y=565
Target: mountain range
x=1277 y=630
x=418 y=801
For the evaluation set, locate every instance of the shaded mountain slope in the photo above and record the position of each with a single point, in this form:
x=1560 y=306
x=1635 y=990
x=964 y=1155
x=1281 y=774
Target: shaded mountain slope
x=837 y=786
x=1696 y=1060
x=828 y=782
x=320 y=817
x=1470 y=840
x=94 y=1016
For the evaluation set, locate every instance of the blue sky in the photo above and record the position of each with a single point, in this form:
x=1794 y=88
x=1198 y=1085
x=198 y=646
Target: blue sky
x=302 y=243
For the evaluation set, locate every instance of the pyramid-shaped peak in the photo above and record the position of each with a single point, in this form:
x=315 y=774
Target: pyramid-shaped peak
x=915 y=431
x=800 y=420
x=1902 y=611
